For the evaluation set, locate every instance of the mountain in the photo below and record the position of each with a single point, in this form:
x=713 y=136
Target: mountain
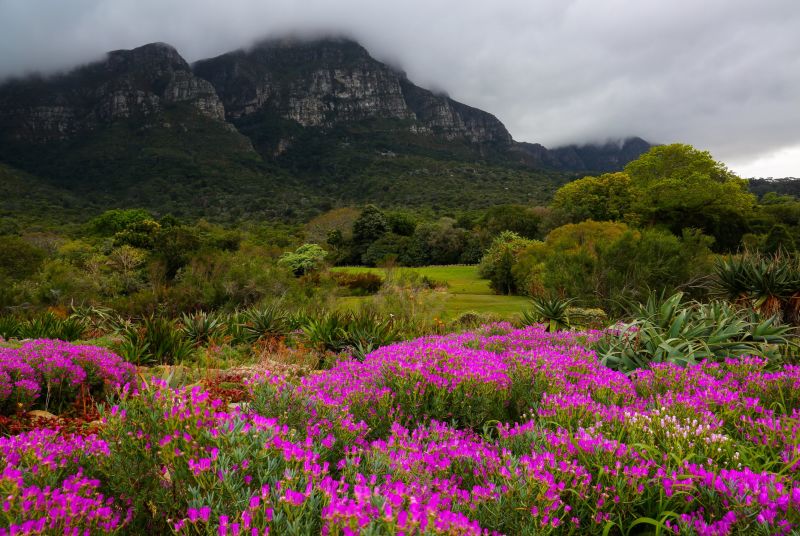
x=280 y=130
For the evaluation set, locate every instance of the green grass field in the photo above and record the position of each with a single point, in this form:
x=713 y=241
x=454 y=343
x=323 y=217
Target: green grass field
x=466 y=290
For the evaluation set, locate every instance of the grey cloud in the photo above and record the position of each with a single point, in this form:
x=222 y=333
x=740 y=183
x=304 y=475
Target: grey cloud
x=719 y=74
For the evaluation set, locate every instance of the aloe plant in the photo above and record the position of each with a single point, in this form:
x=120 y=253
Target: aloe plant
x=551 y=311
x=263 y=322
x=769 y=285
x=202 y=327
x=156 y=340
x=668 y=330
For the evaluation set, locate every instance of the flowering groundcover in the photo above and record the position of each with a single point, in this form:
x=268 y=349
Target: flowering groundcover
x=497 y=431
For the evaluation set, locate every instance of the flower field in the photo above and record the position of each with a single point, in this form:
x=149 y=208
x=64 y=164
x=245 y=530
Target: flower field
x=495 y=431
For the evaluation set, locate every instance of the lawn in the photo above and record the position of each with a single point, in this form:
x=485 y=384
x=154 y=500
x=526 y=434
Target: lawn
x=466 y=290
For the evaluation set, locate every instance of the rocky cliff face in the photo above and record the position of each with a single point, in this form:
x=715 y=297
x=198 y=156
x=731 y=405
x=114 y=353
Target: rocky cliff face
x=127 y=83
x=275 y=92
x=333 y=81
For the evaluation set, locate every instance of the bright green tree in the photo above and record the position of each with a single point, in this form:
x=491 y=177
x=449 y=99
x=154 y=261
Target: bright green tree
x=604 y=198
x=303 y=260
x=678 y=187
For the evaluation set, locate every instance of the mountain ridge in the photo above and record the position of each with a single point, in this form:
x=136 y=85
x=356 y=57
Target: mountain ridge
x=285 y=119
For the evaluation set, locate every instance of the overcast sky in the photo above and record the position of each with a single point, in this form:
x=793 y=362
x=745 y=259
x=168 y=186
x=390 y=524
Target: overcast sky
x=723 y=75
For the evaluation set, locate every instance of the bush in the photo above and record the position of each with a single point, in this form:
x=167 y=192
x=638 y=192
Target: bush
x=263 y=323
x=360 y=283
x=768 y=284
x=50 y=374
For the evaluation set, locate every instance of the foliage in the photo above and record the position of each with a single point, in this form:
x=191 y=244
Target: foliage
x=552 y=311
x=359 y=284
x=604 y=264
x=769 y=284
x=47 y=325
x=665 y=330
x=20 y=259
x=264 y=322
x=520 y=219
x=202 y=327
x=357 y=333
x=156 y=340
x=304 y=260
x=114 y=221
x=604 y=198
x=678 y=186
x=497 y=263
x=370 y=225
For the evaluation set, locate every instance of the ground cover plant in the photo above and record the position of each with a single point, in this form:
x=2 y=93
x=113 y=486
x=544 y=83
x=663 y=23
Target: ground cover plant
x=495 y=430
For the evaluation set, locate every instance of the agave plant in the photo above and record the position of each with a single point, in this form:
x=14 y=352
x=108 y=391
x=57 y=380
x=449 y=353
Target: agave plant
x=155 y=341
x=96 y=318
x=769 y=285
x=551 y=311
x=201 y=327
x=327 y=331
x=263 y=323
x=50 y=326
x=667 y=330
x=10 y=326
x=366 y=332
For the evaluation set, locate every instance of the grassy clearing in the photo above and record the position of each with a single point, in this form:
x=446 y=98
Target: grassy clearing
x=466 y=290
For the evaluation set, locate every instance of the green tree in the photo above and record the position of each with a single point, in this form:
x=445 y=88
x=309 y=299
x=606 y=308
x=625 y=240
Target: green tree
x=520 y=219
x=367 y=228
x=19 y=259
x=140 y=234
x=678 y=186
x=113 y=221
x=604 y=198
x=497 y=264
x=303 y=260
x=401 y=223
x=174 y=246
x=779 y=239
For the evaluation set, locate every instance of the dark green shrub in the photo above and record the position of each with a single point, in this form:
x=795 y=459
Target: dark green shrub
x=359 y=284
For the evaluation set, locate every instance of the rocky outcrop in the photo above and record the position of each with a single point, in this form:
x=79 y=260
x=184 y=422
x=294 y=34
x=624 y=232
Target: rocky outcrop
x=327 y=82
x=127 y=83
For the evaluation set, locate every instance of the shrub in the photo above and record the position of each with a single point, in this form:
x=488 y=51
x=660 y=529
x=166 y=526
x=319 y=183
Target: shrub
x=202 y=327
x=50 y=374
x=360 y=283
x=552 y=311
x=768 y=284
x=263 y=323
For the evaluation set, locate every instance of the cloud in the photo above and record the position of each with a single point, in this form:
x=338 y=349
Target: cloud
x=719 y=74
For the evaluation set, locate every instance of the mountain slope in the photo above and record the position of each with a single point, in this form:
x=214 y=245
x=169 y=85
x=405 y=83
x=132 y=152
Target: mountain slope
x=281 y=130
